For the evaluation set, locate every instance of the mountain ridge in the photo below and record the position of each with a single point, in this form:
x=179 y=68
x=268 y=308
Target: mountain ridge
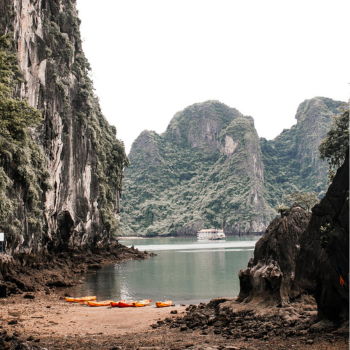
x=212 y=169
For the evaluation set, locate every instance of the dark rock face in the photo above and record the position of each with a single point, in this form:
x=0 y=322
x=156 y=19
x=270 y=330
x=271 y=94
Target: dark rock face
x=233 y=320
x=304 y=252
x=28 y=273
x=324 y=248
x=271 y=273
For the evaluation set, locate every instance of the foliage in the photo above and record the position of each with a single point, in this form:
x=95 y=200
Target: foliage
x=67 y=92
x=182 y=180
x=336 y=143
x=326 y=235
x=69 y=76
x=306 y=199
x=22 y=161
x=291 y=161
x=282 y=209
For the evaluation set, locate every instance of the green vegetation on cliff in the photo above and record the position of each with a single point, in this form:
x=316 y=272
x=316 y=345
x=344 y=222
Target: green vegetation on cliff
x=205 y=170
x=81 y=106
x=336 y=143
x=60 y=179
x=209 y=168
x=291 y=160
x=22 y=161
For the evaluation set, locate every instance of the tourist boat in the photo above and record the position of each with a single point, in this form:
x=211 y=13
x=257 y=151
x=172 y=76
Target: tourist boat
x=126 y=303
x=82 y=299
x=211 y=234
x=100 y=303
x=163 y=303
x=145 y=302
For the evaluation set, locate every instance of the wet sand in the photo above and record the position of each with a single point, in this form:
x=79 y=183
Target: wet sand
x=47 y=314
x=48 y=322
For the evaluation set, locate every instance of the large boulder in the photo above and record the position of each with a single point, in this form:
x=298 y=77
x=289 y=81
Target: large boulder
x=305 y=253
x=270 y=275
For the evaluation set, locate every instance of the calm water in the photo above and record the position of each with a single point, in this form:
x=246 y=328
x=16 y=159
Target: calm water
x=185 y=271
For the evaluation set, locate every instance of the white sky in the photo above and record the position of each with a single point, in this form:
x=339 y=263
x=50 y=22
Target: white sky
x=152 y=58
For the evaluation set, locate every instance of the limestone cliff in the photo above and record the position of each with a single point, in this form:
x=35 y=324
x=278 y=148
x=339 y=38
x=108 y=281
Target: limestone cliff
x=205 y=170
x=292 y=162
x=84 y=159
x=209 y=168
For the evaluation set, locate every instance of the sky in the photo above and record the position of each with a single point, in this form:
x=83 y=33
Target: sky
x=153 y=58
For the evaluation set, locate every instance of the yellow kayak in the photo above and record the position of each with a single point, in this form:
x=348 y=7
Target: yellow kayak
x=163 y=303
x=141 y=303
x=79 y=300
x=100 y=303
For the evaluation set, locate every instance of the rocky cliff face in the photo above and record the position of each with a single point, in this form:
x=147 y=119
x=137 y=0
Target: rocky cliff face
x=305 y=253
x=323 y=259
x=270 y=275
x=84 y=159
x=291 y=160
x=205 y=170
x=210 y=168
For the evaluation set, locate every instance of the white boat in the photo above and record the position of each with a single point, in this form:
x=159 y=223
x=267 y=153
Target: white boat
x=211 y=234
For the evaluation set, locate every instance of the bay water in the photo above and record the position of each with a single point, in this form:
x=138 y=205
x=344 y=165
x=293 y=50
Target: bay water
x=185 y=271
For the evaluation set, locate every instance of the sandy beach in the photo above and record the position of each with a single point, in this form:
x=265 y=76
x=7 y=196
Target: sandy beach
x=49 y=322
x=47 y=314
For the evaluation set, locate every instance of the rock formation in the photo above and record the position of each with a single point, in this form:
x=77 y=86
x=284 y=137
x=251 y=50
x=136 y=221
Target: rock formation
x=323 y=259
x=271 y=274
x=209 y=168
x=206 y=169
x=291 y=160
x=305 y=253
x=84 y=159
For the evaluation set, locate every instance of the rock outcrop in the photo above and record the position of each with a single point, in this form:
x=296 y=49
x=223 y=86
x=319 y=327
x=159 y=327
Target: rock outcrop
x=30 y=273
x=85 y=161
x=305 y=253
x=323 y=259
x=271 y=274
x=291 y=160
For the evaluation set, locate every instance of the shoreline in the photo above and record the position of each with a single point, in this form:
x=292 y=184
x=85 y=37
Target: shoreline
x=47 y=321
x=121 y=238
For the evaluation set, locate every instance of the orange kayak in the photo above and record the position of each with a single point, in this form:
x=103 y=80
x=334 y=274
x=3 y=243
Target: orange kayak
x=82 y=299
x=163 y=303
x=144 y=302
x=115 y=303
x=126 y=303
x=100 y=303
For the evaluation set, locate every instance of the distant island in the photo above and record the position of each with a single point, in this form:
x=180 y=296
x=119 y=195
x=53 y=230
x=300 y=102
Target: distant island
x=211 y=169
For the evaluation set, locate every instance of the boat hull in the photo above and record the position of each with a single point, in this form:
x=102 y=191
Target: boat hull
x=100 y=303
x=142 y=303
x=163 y=303
x=80 y=300
x=124 y=303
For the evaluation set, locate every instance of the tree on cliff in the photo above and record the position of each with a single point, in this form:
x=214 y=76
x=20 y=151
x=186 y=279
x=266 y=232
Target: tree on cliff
x=306 y=200
x=335 y=144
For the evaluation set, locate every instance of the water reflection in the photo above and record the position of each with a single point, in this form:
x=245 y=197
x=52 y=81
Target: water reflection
x=187 y=274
